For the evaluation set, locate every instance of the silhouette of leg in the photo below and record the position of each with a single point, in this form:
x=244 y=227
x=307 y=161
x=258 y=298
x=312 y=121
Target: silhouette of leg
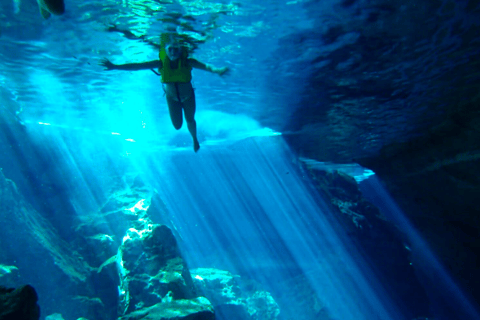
x=175 y=110
x=189 y=107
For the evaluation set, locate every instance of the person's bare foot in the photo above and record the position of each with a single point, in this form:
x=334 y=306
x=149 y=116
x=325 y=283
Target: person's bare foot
x=196 y=145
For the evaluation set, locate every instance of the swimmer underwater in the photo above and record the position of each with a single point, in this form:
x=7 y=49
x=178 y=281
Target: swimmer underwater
x=175 y=69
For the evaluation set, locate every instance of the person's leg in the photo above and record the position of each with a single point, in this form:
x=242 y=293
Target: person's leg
x=175 y=110
x=189 y=107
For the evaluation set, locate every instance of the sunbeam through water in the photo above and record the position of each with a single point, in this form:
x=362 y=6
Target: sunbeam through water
x=245 y=160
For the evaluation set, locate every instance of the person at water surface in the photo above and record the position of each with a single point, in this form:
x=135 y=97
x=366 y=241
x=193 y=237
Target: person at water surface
x=49 y=7
x=175 y=67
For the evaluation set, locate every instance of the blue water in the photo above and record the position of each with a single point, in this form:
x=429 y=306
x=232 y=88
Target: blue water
x=242 y=203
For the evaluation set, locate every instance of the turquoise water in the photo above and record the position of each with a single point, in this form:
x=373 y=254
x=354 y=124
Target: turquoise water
x=244 y=203
x=59 y=62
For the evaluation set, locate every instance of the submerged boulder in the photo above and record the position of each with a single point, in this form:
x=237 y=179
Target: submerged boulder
x=151 y=269
x=19 y=304
x=188 y=309
x=230 y=300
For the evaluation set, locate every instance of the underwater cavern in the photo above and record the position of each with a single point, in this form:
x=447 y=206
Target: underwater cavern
x=250 y=160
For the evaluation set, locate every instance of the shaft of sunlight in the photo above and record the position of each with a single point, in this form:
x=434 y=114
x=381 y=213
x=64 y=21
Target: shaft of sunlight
x=249 y=209
x=449 y=300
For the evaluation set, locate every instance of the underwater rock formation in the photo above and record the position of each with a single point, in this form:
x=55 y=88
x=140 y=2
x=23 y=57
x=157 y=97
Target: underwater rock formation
x=399 y=100
x=19 y=304
x=24 y=227
x=151 y=269
x=230 y=300
x=8 y=274
x=125 y=207
x=434 y=181
x=182 y=309
x=129 y=204
x=22 y=219
x=131 y=207
x=374 y=239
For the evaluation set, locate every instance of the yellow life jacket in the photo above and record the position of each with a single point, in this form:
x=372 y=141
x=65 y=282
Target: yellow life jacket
x=181 y=74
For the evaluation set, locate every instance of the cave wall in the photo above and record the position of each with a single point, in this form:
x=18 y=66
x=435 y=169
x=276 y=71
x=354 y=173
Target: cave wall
x=393 y=86
x=435 y=181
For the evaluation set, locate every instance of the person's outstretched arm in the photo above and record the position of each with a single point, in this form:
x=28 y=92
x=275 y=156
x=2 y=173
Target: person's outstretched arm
x=203 y=66
x=131 y=66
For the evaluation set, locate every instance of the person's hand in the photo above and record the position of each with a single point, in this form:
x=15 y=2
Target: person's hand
x=107 y=64
x=222 y=71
